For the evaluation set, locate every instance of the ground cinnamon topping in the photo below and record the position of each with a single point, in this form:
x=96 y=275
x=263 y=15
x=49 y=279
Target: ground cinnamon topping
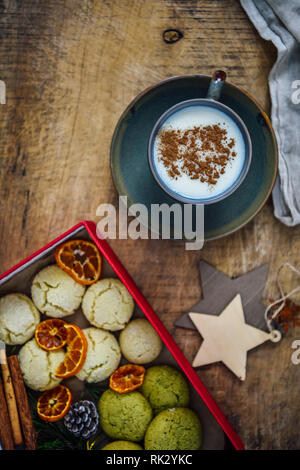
x=201 y=152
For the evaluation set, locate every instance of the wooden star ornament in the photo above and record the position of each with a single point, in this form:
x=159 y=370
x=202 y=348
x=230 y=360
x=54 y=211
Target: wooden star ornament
x=218 y=290
x=227 y=338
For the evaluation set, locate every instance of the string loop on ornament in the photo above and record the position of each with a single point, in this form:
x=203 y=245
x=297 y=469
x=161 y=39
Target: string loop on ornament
x=275 y=335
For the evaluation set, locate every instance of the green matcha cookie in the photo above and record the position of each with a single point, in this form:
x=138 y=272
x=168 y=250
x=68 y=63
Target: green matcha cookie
x=174 y=429
x=122 y=445
x=124 y=416
x=165 y=387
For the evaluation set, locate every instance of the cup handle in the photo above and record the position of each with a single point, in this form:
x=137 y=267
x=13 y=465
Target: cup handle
x=216 y=85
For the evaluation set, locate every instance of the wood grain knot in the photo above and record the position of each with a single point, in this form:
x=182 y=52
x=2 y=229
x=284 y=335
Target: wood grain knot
x=170 y=36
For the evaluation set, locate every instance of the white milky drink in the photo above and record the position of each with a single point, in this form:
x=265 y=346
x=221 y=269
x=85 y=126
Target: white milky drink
x=195 y=116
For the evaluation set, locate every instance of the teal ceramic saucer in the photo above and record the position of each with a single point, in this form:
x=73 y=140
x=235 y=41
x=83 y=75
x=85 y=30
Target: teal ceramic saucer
x=129 y=164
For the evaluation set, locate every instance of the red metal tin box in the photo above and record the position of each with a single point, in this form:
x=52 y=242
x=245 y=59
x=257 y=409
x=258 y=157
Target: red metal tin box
x=17 y=279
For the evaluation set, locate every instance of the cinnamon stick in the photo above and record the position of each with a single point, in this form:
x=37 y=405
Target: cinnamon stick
x=29 y=433
x=6 y=435
x=11 y=404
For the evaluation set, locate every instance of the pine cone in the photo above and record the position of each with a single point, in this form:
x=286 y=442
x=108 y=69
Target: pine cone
x=82 y=419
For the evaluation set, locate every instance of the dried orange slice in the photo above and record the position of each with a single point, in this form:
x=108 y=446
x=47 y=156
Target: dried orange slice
x=76 y=352
x=53 y=404
x=80 y=259
x=51 y=334
x=127 y=378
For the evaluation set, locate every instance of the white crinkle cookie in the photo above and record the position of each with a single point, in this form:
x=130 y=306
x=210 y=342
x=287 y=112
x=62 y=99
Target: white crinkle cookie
x=39 y=366
x=107 y=304
x=18 y=318
x=55 y=293
x=103 y=355
x=139 y=342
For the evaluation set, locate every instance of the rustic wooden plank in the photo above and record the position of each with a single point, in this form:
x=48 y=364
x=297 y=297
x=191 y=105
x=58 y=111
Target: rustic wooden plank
x=70 y=69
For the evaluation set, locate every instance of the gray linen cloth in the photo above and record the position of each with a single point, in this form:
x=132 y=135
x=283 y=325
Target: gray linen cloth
x=279 y=21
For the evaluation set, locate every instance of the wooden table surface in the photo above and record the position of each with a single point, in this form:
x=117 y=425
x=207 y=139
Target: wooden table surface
x=70 y=68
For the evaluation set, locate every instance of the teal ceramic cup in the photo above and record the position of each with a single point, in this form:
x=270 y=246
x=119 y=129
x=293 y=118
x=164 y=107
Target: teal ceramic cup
x=211 y=101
